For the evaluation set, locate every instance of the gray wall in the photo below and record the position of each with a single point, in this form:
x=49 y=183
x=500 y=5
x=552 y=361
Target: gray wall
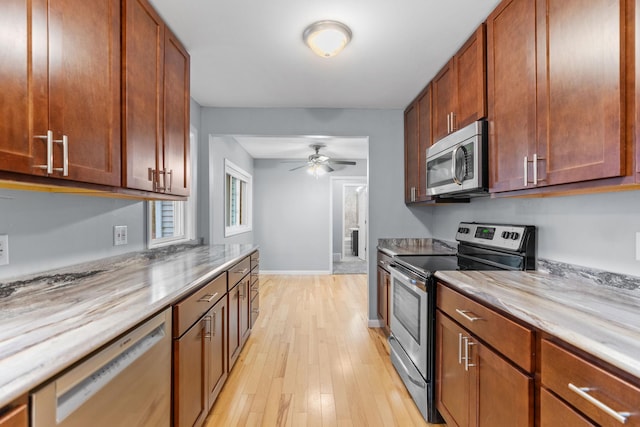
x=51 y=230
x=596 y=231
x=221 y=148
x=388 y=216
x=292 y=216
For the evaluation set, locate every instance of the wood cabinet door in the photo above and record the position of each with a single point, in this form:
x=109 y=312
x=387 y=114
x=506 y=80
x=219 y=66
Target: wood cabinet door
x=444 y=94
x=504 y=394
x=176 y=116
x=424 y=142
x=471 y=79
x=454 y=397
x=244 y=320
x=84 y=88
x=581 y=90
x=383 y=297
x=411 y=147
x=554 y=412
x=217 y=351
x=511 y=85
x=143 y=52
x=18 y=149
x=233 y=349
x=189 y=367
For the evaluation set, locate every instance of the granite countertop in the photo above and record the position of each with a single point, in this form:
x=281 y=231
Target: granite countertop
x=602 y=320
x=51 y=320
x=419 y=246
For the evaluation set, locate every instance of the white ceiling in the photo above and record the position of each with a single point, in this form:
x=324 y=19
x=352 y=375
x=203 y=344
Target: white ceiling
x=249 y=53
x=298 y=147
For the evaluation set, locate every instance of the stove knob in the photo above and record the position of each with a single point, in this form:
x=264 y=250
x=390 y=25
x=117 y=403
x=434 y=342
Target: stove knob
x=460 y=230
x=515 y=236
x=505 y=234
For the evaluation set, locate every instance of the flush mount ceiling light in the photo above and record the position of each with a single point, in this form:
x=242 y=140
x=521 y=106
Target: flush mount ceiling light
x=327 y=38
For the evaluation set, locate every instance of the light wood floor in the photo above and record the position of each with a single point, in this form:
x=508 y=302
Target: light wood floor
x=311 y=360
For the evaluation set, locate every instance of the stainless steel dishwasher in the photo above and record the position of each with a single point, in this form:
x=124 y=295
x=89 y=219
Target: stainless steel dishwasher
x=128 y=383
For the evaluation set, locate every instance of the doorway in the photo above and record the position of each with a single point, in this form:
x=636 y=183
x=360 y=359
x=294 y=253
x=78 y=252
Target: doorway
x=350 y=251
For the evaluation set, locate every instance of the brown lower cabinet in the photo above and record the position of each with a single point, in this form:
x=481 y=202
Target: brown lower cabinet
x=239 y=321
x=476 y=386
x=484 y=365
x=15 y=417
x=384 y=287
x=200 y=352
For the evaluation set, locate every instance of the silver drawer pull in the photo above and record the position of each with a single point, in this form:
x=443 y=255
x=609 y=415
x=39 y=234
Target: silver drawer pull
x=208 y=297
x=243 y=271
x=465 y=314
x=256 y=311
x=621 y=417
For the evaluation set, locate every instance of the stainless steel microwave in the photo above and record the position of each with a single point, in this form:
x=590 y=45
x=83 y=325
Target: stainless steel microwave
x=457 y=164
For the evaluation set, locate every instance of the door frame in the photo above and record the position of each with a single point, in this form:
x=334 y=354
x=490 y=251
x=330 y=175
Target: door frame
x=360 y=180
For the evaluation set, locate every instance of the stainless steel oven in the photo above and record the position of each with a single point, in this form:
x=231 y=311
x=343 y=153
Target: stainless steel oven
x=412 y=322
x=413 y=298
x=457 y=164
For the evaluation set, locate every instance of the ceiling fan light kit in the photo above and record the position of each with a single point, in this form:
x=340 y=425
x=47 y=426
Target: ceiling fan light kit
x=327 y=38
x=319 y=164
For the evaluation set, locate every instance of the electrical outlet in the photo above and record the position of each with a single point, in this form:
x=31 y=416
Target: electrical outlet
x=638 y=246
x=4 y=249
x=119 y=235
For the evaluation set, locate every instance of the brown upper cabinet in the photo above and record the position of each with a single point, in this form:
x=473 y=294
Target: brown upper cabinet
x=417 y=128
x=60 y=82
x=156 y=104
x=459 y=89
x=556 y=90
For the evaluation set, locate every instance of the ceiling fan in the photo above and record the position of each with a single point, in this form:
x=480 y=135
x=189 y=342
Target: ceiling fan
x=319 y=164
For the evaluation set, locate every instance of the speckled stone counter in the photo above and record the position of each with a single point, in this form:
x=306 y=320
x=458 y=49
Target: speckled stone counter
x=602 y=320
x=425 y=246
x=50 y=321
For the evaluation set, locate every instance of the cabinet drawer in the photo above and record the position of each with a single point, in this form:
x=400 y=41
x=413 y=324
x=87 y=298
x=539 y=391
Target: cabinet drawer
x=554 y=412
x=513 y=340
x=238 y=271
x=254 y=278
x=255 y=259
x=190 y=309
x=17 y=417
x=566 y=373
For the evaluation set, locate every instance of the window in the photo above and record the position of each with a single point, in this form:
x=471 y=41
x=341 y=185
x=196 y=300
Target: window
x=172 y=222
x=237 y=200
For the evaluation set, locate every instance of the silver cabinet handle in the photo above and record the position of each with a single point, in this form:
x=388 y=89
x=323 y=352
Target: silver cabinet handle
x=208 y=297
x=459 y=349
x=207 y=331
x=243 y=271
x=170 y=173
x=453 y=122
x=621 y=417
x=535 y=168
x=256 y=311
x=449 y=123
x=48 y=138
x=465 y=314
x=65 y=155
x=526 y=172
x=467 y=344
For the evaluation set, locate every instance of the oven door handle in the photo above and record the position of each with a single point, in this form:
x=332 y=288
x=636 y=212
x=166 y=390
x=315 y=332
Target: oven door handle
x=395 y=271
x=404 y=277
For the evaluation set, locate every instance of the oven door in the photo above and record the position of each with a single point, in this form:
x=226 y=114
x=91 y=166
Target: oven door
x=408 y=317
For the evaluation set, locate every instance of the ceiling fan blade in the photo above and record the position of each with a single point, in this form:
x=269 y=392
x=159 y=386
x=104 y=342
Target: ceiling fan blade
x=298 y=167
x=343 y=162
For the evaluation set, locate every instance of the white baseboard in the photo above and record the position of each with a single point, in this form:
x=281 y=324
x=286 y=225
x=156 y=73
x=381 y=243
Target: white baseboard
x=296 y=272
x=375 y=323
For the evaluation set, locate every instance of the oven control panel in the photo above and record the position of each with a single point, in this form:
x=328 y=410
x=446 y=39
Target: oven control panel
x=508 y=237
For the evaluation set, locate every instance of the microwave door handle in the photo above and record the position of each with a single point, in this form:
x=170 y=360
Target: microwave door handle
x=454 y=163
